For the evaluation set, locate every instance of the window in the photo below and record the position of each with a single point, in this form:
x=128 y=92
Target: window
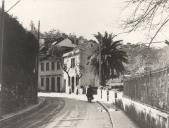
x=72 y=62
x=42 y=66
x=53 y=66
x=47 y=66
x=65 y=83
x=42 y=82
x=58 y=65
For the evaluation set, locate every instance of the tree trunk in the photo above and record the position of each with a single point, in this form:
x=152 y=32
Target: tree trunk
x=70 y=91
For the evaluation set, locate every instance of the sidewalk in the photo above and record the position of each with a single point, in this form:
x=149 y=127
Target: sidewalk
x=63 y=95
x=119 y=118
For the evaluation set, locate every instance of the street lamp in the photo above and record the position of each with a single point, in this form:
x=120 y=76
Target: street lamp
x=37 y=59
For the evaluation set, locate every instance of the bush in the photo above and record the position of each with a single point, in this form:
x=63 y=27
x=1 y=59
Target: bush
x=20 y=50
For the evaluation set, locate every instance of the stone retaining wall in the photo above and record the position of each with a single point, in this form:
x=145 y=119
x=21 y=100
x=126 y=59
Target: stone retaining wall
x=146 y=116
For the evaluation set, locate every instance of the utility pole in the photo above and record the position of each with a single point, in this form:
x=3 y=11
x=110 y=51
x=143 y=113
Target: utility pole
x=2 y=41
x=100 y=75
x=37 y=59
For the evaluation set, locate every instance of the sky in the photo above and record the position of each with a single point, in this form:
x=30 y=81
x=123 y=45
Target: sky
x=81 y=17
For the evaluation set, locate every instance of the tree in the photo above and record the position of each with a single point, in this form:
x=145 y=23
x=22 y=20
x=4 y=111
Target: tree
x=79 y=69
x=112 y=57
x=52 y=36
x=140 y=57
x=74 y=39
x=77 y=40
x=150 y=14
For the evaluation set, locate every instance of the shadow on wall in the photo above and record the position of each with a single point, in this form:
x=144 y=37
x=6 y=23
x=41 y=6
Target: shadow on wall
x=142 y=119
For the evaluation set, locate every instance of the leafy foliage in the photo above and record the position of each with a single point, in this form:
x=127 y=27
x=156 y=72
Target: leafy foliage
x=52 y=36
x=112 y=57
x=57 y=36
x=139 y=57
x=20 y=50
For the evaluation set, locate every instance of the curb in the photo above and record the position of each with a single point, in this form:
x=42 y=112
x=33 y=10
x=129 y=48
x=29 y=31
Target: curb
x=107 y=110
x=21 y=114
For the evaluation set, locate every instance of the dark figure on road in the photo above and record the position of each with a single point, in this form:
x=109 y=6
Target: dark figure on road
x=89 y=94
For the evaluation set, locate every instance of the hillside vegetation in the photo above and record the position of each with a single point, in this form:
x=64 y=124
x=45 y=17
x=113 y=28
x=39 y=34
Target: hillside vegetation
x=141 y=58
x=20 y=50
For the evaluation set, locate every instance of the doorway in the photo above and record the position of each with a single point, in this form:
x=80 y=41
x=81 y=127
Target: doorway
x=47 y=84
x=58 y=84
x=73 y=86
x=53 y=84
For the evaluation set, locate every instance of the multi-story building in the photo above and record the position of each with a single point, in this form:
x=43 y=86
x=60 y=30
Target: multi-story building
x=50 y=71
x=69 y=73
x=50 y=75
x=78 y=73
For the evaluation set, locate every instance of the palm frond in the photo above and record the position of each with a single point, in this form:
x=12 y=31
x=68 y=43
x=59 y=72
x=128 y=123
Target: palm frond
x=112 y=56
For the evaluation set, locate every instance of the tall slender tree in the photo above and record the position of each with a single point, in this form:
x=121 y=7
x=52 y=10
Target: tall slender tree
x=112 y=57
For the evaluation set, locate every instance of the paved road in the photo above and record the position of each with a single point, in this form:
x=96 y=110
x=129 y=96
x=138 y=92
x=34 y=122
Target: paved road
x=65 y=113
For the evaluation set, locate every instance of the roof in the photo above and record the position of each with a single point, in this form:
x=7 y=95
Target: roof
x=54 y=43
x=81 y=47
x=65 y=43
x=43 y=49
x=71 y=53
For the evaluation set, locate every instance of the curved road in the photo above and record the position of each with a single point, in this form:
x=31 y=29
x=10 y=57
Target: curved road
x=65 y=113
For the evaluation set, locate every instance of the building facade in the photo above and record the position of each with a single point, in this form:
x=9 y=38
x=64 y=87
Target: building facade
x=73 y=74
x=72 y=71
x=50 y=75
x=79 y=74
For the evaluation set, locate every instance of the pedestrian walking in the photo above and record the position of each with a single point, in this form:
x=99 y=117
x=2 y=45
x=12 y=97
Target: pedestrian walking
x=89 y=93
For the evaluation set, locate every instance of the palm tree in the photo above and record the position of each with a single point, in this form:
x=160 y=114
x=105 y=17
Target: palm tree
x=112 y=57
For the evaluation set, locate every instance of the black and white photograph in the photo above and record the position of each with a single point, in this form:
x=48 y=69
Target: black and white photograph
x=84 y=63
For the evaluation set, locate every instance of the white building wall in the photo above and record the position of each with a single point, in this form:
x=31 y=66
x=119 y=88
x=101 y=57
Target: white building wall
x=73 y=72
x=81 y=54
